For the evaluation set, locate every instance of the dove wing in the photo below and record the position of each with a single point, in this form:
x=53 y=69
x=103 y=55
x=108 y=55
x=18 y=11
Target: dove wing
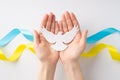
x=49 y=36
x=69 y=36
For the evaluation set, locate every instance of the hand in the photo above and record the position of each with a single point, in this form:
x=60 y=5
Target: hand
x=42 y=47
x=76 y=47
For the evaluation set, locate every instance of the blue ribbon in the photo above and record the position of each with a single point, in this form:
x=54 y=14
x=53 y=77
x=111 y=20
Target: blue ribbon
x=12 y=34
x=29 y=36
x=101 y=34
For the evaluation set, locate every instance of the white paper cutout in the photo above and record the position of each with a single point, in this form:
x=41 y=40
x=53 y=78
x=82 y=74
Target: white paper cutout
x=59 y=39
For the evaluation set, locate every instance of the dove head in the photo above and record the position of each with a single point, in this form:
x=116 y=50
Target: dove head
x=59 y=33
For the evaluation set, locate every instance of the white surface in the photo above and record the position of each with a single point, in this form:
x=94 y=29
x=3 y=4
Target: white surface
x=94 y=15
x=59 y=39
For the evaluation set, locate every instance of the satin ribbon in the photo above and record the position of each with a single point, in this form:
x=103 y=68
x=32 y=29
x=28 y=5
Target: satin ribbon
x=101 y=34
x=91 y=53
x=29 y=36
x=13 y=33
x=17 y=53
x=115 y=55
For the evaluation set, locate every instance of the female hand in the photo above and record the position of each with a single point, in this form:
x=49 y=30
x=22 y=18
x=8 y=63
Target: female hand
x=77 y=46
x=42 y=47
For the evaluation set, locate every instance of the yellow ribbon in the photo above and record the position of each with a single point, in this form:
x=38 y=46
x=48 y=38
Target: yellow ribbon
x=17 y=53
x=98 y=47
x=91 y=53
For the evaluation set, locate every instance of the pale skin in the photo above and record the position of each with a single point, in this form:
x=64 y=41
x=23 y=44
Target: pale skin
x=49 y=57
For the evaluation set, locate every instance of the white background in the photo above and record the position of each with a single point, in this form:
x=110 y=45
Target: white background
x=93 y=15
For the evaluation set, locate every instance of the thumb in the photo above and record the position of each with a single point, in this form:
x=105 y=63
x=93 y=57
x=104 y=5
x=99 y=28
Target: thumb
x=36 y=38
x=42 y=37
x=83 y=37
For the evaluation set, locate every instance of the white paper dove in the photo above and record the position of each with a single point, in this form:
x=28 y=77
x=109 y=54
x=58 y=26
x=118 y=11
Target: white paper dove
x=59 y=39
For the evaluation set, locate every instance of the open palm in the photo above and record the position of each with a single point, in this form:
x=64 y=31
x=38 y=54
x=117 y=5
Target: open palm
x=76 y=47
x=42 y=47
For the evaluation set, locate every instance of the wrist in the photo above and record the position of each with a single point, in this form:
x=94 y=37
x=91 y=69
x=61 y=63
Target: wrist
x=46 y=71
x=51 y=61
x=48 y=65
x=70 y=61
x=73 y=71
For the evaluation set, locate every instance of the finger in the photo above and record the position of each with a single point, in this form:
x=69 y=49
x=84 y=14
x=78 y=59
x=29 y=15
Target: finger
x=42 y=39
x=61 y=27
x=49 y=22
x=65 y=28
x=74 y=20
x=56 y=27
x=68 y=20
x=36 y=38
x=53 y=25
x=83 y=38
x=77 y=38
x=44 y=21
